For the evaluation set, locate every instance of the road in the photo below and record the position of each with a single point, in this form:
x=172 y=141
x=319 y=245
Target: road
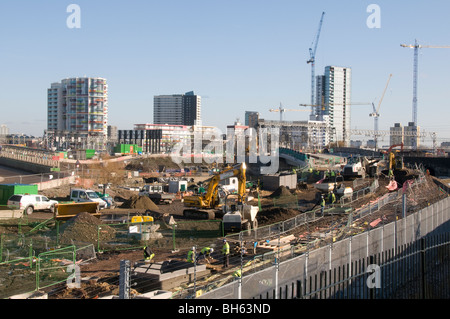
x=10 y=175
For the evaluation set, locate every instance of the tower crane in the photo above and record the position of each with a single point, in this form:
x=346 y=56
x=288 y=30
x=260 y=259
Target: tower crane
x=376 y=113
x=327 y=105
x=312 y=59
x=416 y=48
x=282 y=110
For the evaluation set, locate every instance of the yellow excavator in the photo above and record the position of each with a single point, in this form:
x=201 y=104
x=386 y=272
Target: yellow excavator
x=394 y=163
x=205 y=206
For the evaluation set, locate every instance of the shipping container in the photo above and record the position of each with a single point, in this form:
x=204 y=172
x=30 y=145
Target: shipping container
x=7 y=190
x=127 y=149
x=90 y=153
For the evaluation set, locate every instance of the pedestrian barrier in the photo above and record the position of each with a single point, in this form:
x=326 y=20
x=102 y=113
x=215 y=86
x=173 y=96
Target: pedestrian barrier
x=389 y=247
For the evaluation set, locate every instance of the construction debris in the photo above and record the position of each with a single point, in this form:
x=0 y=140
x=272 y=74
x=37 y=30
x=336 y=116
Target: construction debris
x=83 y=228
x=281 y=191
x=140 y=202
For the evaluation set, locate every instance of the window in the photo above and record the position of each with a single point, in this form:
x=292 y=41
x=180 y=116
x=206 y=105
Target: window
x=16 y=198
x=92 y=195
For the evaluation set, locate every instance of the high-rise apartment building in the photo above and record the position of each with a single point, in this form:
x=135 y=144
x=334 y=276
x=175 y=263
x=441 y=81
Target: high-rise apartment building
x=333 y=97
x=317 y=111
x=78 y=111
x=406 y=135
x=4 y=130
x=412 y=133
x=251 y=119
x=177 y=109
x=396 y=134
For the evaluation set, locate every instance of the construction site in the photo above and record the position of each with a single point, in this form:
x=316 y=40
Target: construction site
x=278 y=218
x=273 y=209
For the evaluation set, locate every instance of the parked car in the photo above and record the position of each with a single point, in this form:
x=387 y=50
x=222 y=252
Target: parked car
x=86 y=195
x=30 y=203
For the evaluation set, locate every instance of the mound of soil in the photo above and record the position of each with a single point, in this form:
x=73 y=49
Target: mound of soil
x=83 y=228
x=275 y=214
x=281 y=191
x=140 y=202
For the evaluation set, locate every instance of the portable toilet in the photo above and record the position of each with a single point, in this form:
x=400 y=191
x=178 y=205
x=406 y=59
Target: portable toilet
x=177 y=186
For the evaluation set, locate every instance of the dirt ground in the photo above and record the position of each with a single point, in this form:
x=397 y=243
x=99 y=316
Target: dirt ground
x=103 y=271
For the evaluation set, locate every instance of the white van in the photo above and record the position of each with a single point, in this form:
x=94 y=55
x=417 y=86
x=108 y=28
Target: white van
x=86 y=195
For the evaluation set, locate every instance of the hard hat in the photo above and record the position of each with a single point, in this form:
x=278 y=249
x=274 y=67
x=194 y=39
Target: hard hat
x=224 y=240
x=212 y=249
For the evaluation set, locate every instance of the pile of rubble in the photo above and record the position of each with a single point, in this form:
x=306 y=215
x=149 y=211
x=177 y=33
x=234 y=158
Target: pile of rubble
x=83 y=228
x=140 y=202
x=275 y=214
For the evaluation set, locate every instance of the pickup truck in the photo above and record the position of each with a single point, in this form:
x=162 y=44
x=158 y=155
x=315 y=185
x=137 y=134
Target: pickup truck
x=31 y=203
x=156 y=194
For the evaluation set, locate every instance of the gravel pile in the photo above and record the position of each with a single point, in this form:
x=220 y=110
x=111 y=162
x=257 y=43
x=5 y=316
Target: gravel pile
x=140 y=202
x=83 y=228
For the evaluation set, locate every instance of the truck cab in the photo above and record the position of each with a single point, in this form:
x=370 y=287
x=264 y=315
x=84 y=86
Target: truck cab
x=238 y=215
x=86 y=195
x=156 y=193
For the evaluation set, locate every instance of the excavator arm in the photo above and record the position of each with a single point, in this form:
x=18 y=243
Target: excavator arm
x=210 y=200
x=392 y=155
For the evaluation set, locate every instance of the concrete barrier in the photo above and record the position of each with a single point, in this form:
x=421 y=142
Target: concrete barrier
x=11 y=213
x=56 y=182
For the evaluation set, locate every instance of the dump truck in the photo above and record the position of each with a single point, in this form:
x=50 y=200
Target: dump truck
x=239 y=215
x=360 y=166
x=156 y=194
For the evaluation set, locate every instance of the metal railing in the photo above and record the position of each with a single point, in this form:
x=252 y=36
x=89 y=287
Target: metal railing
x=419 y=270
x=412 y=226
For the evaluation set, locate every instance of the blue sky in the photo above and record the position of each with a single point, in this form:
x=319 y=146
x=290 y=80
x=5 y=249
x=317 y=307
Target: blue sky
x=238 y=55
